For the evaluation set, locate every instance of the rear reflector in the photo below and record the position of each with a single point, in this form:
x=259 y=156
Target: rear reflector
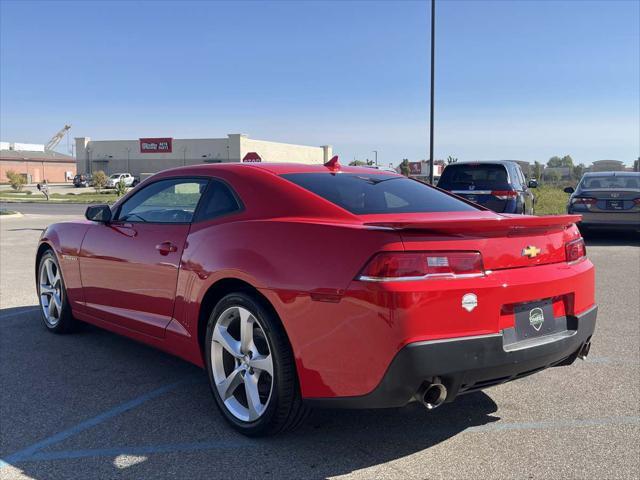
x=504 y=194
x=575 y=250
x=583 y=201
x=398 y=266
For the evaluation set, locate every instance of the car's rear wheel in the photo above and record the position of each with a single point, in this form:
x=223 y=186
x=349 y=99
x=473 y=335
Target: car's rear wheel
x=52 y=294
x=251 y=367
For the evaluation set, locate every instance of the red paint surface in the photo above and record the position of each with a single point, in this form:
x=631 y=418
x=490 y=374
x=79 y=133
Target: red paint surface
x=303 y=254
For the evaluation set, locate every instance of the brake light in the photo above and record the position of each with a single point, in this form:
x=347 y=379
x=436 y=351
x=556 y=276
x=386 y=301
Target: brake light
x=636 y=201
x=575 y=250
x=504 y=194
x=398 y=266
x=583 y=201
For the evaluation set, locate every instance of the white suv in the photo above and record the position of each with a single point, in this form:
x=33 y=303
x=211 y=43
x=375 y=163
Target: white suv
x=128 y=179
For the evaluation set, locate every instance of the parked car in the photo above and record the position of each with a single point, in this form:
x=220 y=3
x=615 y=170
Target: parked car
x=500 y=186
x=82 y=180
x=609 y=200
x=307 y=285
x=128 y=179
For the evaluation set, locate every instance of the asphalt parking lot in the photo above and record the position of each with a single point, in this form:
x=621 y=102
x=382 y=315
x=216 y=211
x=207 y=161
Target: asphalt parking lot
x=95 y=405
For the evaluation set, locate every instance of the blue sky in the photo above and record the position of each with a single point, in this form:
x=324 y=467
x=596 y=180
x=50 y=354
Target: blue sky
x=514 y=79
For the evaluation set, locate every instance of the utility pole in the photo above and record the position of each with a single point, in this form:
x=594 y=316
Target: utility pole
x=376 y=152
x=433 y=50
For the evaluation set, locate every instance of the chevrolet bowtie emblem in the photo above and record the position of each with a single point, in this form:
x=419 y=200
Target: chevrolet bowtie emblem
x=530 y=251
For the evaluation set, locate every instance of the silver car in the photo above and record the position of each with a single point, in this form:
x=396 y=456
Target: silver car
x=607 y=200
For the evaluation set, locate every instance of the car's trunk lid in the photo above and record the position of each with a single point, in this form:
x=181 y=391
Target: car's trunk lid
x=505 y=241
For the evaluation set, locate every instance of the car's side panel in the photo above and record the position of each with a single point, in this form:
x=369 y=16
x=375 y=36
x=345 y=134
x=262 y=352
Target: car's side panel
x=126 y=279
x=292 y=258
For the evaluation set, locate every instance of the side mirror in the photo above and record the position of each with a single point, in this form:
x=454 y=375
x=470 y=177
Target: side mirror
x=569 y=190
x=98 y=213
x=533 y=184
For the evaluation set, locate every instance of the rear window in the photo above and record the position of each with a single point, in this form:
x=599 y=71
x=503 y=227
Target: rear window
x=363 y=194
x=610 y=181
x=476 y=175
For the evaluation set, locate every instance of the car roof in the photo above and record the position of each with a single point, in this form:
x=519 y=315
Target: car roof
x=484 y=162
x=274 y=168
x=614 y=174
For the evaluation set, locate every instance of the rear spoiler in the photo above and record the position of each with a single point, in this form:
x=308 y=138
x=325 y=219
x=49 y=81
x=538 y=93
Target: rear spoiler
x=500 y=225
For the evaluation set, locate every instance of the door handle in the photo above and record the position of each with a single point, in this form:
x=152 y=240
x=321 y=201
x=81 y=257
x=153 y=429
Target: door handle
x=165 y=248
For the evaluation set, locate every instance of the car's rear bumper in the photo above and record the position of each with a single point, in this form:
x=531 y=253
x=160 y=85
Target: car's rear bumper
x=468 y=364
x=629 y=220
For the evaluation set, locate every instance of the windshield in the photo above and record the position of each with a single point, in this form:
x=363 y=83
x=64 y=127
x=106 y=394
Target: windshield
x=366 y=194
x=115 y=176
x=610 y=181
x=474 y=176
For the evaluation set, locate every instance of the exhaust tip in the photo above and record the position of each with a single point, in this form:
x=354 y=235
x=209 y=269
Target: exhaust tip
x=434 y=396
x=584 y=351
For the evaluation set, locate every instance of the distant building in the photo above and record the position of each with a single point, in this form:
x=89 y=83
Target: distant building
x=151 y=155
x=607 y=166
x=35 y=163
x=421 y=169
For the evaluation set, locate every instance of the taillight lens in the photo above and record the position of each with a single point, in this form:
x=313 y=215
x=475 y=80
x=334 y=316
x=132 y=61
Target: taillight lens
x=390 y=266
x=575 y=250
x=636 y=201
x=583 y=201
x=504 y=194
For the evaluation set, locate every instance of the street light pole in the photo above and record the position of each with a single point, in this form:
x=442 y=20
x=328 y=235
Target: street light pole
x=433 y=41
x=376 y=152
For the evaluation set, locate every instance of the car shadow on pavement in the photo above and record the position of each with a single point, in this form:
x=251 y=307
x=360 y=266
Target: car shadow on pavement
x=604 y=238
x=94 y=404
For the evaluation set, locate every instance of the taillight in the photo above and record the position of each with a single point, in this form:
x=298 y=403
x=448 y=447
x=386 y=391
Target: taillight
x=636 y=201
x=398 y=266
x=575 y=250
x=504 y=194
x=583 y=201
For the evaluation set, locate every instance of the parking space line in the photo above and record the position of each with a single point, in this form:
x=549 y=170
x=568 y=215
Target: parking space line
x=92 y=422
x=142 y=450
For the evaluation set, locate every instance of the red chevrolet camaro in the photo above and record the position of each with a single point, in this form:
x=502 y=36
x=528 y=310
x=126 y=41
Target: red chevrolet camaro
x=298 y=286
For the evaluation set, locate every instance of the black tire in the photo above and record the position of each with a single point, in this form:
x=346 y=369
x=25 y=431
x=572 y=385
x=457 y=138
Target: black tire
x=65 y=323
x=285 y=409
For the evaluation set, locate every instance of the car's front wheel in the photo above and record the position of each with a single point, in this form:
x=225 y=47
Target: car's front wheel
x=251 y=367
x=54 y=305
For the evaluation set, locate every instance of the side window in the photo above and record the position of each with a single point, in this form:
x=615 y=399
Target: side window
x=166 y=201
x=219 y=200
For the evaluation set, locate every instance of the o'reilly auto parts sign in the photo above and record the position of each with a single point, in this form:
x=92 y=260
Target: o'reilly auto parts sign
x=156 y=145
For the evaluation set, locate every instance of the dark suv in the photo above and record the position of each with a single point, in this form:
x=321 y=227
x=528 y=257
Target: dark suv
x=499 y=186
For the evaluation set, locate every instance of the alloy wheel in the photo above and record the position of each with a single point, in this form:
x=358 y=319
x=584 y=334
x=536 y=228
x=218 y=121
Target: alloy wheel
x=50 y=291
x=242 y=364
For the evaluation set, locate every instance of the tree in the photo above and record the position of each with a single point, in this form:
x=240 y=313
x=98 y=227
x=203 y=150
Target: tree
x=16 y=180
x=404 y=167
x=566 y=161
x=99 y=180
x=578 y=171
x=121 y=188
x=537 y=170
x=451 y=160
x=554 y=161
